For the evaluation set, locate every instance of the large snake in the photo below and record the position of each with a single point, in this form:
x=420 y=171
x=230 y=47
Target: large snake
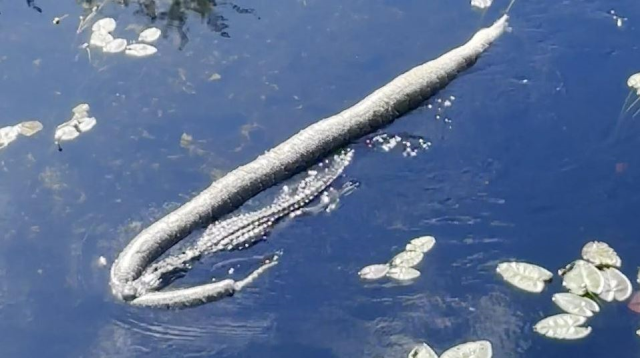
x=403 y=94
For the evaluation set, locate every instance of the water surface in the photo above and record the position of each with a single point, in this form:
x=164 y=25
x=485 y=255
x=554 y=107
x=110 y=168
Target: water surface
x=522 y=168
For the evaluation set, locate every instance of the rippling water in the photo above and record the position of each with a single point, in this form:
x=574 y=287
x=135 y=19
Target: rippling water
x=521 y=165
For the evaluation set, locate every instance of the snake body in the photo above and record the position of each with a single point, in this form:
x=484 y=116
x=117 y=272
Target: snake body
x=242 y=231
x=403 y=94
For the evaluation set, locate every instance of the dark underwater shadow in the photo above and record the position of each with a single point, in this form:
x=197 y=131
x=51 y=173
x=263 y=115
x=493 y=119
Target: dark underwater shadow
x=32 y=4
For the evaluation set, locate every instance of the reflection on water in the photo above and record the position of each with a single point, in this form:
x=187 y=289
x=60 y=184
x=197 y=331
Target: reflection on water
x=181 y=334
x=172 y=15
x=490 y=185
x=388 y=323
x=31 y=4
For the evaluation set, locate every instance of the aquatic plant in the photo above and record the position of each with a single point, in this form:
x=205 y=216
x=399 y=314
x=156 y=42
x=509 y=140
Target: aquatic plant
x=563 y=326
x=171 y=16
x=594 y=276
x=101 y=37
x=10 y=133
x=526 y=276
x=401 y=266
x=475 y=349
x=574 y=304
x=633 y=83
x=79 y=123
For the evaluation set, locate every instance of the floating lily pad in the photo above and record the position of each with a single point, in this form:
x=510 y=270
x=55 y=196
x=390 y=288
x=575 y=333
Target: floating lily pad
x=617 y=286
x=85 y=124
x=422 y=351
x=100 y=39
x=403 y=273
x=8 y=135
x=11 y=133
x=634 y=81
x=575 y=304
x=481 y=4
x=140 y=50
x=407 y=259
x=106 y=25
x=149 y=35
x=563 y=326
x=600 y=253
x=115 y=46
x=524 y=275
x=423 y=244
x=66 y=133
x=374 y=272
x=79 y=123
x=581 y=277
x=478 y=349
x=81 y=109
x=29 y=128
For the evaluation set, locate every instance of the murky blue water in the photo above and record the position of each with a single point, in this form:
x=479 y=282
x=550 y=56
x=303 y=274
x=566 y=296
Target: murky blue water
x=523 y=168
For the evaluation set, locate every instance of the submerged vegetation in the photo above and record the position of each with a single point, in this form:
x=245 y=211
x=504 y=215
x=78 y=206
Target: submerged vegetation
x=32 y=4
x=594 y=278
x=171 y=15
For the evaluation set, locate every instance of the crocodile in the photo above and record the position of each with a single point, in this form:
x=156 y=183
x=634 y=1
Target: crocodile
x=398 y=97
x=243 y=230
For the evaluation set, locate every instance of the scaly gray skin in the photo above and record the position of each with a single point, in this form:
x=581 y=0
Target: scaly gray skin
x=403 y=94
x=243 y=230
